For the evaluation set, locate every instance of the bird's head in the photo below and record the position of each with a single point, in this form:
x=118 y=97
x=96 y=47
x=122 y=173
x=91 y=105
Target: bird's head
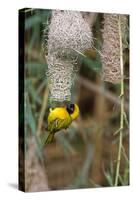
x=73 y=110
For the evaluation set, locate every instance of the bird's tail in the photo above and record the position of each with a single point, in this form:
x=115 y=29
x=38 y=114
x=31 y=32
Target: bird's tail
x=50 y=138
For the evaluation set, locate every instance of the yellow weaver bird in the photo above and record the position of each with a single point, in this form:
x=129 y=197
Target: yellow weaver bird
x=60 y=118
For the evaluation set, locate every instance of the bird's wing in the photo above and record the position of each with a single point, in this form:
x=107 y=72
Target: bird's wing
x=58 y=124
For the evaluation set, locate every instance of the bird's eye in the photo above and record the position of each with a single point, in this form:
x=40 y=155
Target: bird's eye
x=70 y=108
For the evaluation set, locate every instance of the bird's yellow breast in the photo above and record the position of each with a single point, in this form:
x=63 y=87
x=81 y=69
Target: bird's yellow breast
x=60 y=113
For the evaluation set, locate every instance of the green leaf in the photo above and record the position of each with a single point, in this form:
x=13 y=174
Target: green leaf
x=35 y=97
x=82 y=179
x=36 y=69
x=32 y=21
x=67 y=147
x=109 y=178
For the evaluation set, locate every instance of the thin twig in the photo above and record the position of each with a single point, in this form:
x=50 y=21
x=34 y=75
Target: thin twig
x=122 y=108
x=117 y=131
x=42 y=112
x=126 y=120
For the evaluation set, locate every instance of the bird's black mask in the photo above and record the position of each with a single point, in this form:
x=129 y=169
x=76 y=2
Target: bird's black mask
x=70 y=108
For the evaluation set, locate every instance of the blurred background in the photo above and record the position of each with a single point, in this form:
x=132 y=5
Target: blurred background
x=85 y=155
